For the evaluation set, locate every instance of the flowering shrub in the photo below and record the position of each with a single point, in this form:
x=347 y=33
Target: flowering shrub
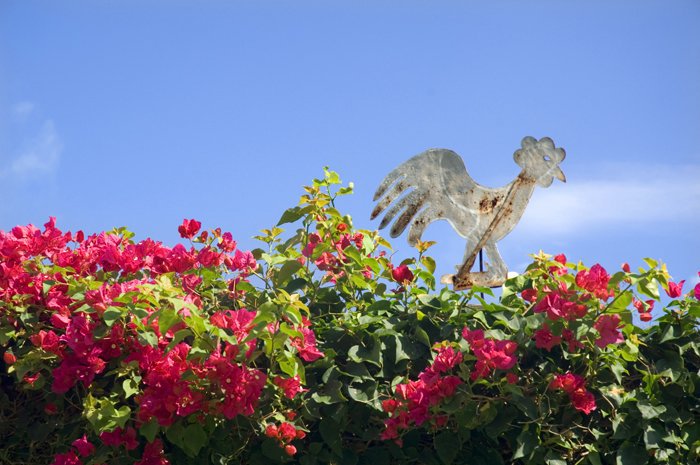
x=317 y=348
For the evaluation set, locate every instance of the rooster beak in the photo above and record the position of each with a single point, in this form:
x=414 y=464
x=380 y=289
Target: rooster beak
x=559 y=174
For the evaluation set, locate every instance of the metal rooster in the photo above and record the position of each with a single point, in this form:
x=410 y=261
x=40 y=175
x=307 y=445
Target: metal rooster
x=440 y=188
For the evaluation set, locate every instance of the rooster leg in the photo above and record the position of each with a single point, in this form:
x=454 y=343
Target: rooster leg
x=497 y=267
x=469 y=257
x=494 y=275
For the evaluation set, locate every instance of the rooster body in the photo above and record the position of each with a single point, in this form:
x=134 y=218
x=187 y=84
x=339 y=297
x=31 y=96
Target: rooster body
x=435 y=185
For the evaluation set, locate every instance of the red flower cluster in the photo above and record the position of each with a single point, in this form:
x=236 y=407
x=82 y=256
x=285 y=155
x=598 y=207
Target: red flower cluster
x=575 y=387
x=153 y=454
x=559 y=269
x=545 y=339
x=596 y=281
x=290 y=386
x=327 y=261
x=675 y=290
x=557 y=305
x=608 y=328
x=189 y=228
x=416 y=398
x=82 y=446
x=306 y=345
x=402 y=275
x=644 y=308
x=285 y=433
x=120 y=437
x=491 y=354
x=73 y=330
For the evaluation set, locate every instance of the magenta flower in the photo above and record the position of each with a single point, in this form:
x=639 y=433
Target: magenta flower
x=189 y=228
x=675 y=289
x=607 y=326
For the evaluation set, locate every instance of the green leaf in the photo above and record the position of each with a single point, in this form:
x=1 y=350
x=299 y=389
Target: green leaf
x=422 y=336
x=594 y=458
x=330 y=393
x=553 y=458
x=194 y=439
x=652 y=437
x=526 y=441
x=287 y=271
x=371 y=354
x=649 y=411
x=330 y=432
x=130 y=387
x=447 y=446
x=291 y=215
x=428 y=263
x=631 y=454
x=6 y=333
x=111 y=314
x=148 y=337
x=167 y=317
x=150 y=430
x=290 y=365
x=525 y=404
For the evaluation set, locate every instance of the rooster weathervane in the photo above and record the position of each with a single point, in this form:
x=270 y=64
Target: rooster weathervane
x=437 y=187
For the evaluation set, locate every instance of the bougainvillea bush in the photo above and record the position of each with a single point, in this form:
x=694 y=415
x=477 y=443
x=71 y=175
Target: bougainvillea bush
x=318 y=348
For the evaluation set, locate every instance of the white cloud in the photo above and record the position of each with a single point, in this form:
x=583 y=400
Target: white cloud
x=23 y=110
x=40 y=156
x=641 y=195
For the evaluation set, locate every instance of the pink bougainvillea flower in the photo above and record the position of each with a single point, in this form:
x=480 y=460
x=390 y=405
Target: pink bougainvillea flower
x=583 y=400
x=697 y=289
x=9 y=358
x=561 y=268
x=446 y=359
x=544 y=339
x=567 y=382
x=595 y=281
x=608 y=327
x=189 y=228
x=31 y=379
x=244 y=261
x=626 y=267
x=306 y=346
x=529 y=294
x=226 y=242
x=153 y=454
x=314 y=240
x=568 y=336
x=491 y=354
x=290 y=386
x=643 y=307
x=287 y=432
x=645 y=316
x=69 y=458
x=389 y=405
x=83 y=446
x=556 y=306
x=271 y=431
x=402 y=275
x=675 y=289
x=118 y=437
x=575 y=386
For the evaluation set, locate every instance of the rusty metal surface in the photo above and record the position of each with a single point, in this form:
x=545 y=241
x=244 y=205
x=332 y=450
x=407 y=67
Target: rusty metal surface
x=435 y=185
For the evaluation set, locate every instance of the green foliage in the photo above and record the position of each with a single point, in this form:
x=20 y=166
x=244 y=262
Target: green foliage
x=377 y=336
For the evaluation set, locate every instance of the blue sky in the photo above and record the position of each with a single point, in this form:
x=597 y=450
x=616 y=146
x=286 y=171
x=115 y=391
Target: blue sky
x=144 y=113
